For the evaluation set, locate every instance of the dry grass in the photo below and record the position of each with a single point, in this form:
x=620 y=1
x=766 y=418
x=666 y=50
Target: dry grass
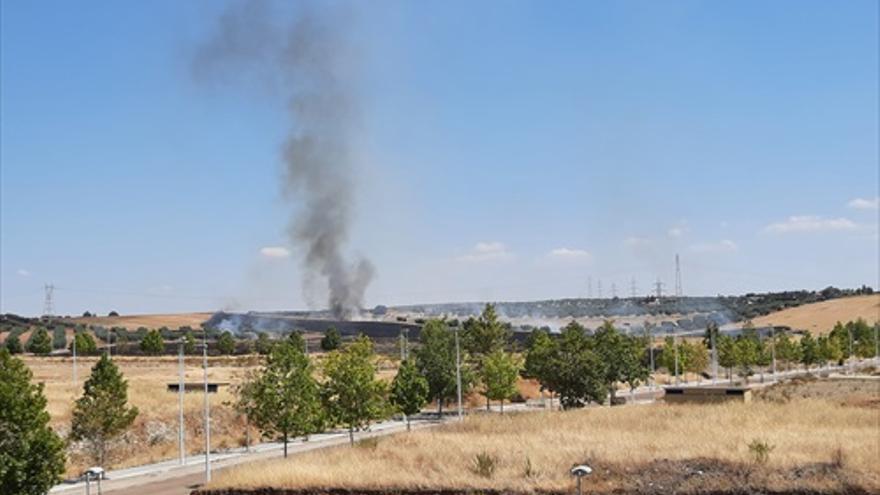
x=132 y=322
x=804 y=433
x=820 y=317
x=154 y=435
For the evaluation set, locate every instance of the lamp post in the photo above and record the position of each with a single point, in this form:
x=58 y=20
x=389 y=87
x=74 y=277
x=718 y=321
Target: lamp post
x=458 y=374
x=180 y=391
x=207 y=412
x=579 y=472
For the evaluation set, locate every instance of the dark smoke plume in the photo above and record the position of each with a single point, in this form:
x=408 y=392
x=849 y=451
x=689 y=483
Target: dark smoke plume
x=309 y=61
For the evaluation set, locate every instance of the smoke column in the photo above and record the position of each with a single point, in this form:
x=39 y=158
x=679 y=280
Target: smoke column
x=309 y=61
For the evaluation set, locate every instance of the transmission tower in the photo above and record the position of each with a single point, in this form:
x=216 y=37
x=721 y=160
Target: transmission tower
x=48 y=303
x=599 y=288
x=589 y=287
x=658 y=287
x=678 y=291
x=632 y=288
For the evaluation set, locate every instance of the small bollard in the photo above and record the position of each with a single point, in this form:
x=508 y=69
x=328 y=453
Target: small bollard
x=580 y=471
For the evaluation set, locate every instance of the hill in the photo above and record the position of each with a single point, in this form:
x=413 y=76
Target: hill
x=132 y=322
x=820 y=317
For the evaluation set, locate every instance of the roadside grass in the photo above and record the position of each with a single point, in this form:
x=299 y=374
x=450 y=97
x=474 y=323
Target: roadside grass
x=803 y=437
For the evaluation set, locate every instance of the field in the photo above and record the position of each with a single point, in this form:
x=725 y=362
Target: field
x=815 y=444
x=133 y=322
x=820 y=317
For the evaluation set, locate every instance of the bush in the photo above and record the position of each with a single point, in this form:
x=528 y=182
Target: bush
x=13 y=344
x=760 y=451
x=484 y=464
x=153 y=343
x=113 y=313
x=40 y=343
x=331 y=340
x=226 y=343
x=59 y=337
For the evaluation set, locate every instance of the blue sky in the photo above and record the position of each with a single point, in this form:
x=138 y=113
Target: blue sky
x=508 y=150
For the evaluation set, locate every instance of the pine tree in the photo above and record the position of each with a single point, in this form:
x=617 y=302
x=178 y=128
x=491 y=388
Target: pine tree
x=285 y=399
x=226 y=343
x=31 y=454
x=331 y=340
x=85 y=344
x=354 y=396
x=40 y=343
x=102 y=413
x=809 y=351
x=409 y=390
x=189 y=342
x=13 y=344
x=153 y=343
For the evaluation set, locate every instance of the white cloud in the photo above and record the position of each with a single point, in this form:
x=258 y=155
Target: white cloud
x=564 y=253
x=275 y=252
x=722 y=246
x=634 y=242
x=487 y=251
x=675 y=232
x=810 y=223
x=865 y=204
x=23 y=273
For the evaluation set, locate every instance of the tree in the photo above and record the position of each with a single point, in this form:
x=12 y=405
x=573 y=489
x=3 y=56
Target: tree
x=40 y=343
x=484 y=335
x=353 y=394
x=786 y=350
x=727 y=353
x=285 y=399
x=435 y=360
x=189 y=342
x=409 y=390
x=153 y=343
x=112 y=313
x=696 y=356
x=226 y=343
x=809 y=351
x=13 y=344
x=31 y=454
x=746 y=355
x=102 y=413
x=580 y=373
x=331 y=340
x=264 y=344
x=829 y=349
x=85 y=344
x=498 y=374
x=621 y=356
x=538 y=364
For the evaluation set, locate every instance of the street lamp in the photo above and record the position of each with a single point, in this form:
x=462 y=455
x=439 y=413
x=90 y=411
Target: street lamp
x=458 y=374
x=180 y=430
x=579 y=472
x=207 y=412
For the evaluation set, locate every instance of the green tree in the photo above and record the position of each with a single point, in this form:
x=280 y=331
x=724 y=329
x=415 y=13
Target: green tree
x=580 y=372
x=153 y=343
x=435 y=360
x=746 y=355
x=264 y=344
x=696 y=357
x=285 y=398
x=189 y=342
x=484 y=335
x=40 y=343
x=409 y=390
x=353 y=394
x=809 y=351
x=542 y=349
x=31 y=454
x=331 y=340
x=621 y=356
x=829 y=349
x=102 y=413
x=498 y=374
x=727 y=354
x=786 y=350
x=13 y=344
x=85 y=344
x=226 y=343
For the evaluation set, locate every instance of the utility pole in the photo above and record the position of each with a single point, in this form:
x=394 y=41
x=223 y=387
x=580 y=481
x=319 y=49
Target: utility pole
x=658 y=287
x=458 y=374
x=599 y=288
x=74 y=359
x=207 y=412
x=110 y=343
x=678 y=290
x=849 y=332
x=712 y=331
x=773 y=349
x=589 y=287
x=650 y=338
x=632 y=288
x=48 y=301
x=181 y=432
x=675 y=345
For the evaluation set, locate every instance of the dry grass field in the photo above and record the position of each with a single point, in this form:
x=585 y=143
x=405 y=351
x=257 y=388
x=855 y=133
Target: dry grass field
x=154 y=435
x=132 y=322
x=816 y=445
x=820 y=317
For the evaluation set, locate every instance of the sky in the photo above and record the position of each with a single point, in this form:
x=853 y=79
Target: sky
x=505 y=151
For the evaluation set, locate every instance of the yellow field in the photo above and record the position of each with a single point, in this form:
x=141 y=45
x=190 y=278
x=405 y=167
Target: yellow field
x=840 y=443
x=132 y=322
x=820 y=317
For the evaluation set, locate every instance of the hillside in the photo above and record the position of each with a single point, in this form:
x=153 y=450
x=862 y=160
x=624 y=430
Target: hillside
x=132 y=322
x=820 y=317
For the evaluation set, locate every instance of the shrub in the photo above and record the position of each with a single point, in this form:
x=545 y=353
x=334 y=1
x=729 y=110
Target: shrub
x=39 y=342
x=331 y=340
x=484 y=464
x=153 y=343
x=760 y=451
x=59 y=337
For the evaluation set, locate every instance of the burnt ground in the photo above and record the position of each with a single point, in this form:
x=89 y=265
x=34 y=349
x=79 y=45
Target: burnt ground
x=684 y=477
